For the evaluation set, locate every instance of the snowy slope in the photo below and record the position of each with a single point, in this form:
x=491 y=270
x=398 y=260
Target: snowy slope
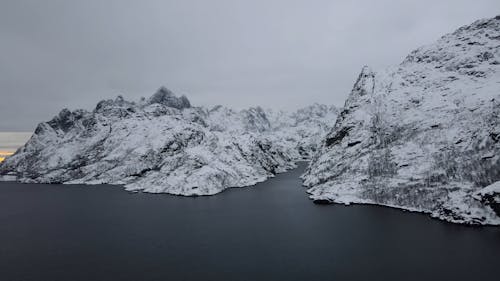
x=423 y=135
x=164 y=145
x=304 y=129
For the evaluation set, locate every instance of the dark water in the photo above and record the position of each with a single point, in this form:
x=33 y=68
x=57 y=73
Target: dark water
x=267 y=232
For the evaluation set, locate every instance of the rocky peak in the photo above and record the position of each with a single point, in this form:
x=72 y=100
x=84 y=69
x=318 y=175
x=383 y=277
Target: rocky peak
x=470 y=50
x=64 y=120
x=362 y=88
x=166 y=97
x=256 y=119
x=422 y=135
x=119 y=107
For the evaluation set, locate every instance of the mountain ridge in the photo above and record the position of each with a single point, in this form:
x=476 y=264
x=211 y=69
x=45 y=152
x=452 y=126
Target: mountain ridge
x=163 y=144
x=422 y=135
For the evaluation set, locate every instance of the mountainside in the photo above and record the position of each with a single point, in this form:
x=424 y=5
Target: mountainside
x=163 y=144
x=422 y=136
x=303 y=129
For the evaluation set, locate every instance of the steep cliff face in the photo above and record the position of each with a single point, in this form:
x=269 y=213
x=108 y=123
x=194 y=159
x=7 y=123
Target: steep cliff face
x=422 y=136
x=162 y=144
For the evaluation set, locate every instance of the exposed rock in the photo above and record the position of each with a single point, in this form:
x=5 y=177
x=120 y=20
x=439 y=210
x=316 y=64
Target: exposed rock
x=423 y=135
x=163 y=144
x=166 y=97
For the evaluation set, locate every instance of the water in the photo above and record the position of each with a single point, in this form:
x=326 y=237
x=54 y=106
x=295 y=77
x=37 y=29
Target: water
x=267 y=232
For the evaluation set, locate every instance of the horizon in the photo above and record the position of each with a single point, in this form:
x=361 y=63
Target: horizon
x=252 y=140
x=11 y=141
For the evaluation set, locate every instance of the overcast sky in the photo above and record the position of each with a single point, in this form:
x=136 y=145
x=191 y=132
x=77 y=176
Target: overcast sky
x=280 y=54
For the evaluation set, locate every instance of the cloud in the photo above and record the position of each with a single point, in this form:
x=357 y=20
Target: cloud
x=281 y=54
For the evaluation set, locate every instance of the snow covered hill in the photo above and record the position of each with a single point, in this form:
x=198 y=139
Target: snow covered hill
x=163 y=144
x=423 y=135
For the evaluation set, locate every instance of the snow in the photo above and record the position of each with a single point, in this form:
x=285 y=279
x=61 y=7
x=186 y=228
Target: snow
x=491 y=192
x=423 y=135
x=165 y=145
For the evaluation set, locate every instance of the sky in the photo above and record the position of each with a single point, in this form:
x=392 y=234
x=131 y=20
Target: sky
x=280 y=54
x=11 y=141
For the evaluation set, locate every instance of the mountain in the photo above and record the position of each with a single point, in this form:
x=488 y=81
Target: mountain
x=423 y=135
x=303 y=129
x=165 y=145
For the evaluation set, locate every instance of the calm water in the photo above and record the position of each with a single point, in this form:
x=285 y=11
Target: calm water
x=267 y=232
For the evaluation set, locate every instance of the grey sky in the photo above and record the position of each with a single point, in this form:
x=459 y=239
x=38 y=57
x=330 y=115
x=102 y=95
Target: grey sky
x=281 y=54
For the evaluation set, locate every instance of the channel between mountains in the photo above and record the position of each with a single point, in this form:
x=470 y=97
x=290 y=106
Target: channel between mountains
x=423 y=136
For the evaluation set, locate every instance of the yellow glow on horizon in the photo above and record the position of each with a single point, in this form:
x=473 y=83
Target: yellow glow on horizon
x=4 y=154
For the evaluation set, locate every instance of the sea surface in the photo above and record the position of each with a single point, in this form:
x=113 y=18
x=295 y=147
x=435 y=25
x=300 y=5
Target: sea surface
x=270 y=231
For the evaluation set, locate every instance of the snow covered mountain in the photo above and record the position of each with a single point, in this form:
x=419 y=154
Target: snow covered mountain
x=163 y=144
x=303 y=129
x=422 y=136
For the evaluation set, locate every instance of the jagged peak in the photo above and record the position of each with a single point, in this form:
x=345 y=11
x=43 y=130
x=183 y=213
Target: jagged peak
x=480 y=24
x=363 y=85
x=221 y=109
x=119 y=101
x=163 y=91
x=64 y=113
x=63 y=120
x=257 y=109
x=365 y=71
x=166 y=97
x=366 y=74
x=119 y=98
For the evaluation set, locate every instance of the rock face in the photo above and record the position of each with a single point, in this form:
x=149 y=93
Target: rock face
x=163 y=144
x=166 y=97
x=422 y=136
x=303 y=129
